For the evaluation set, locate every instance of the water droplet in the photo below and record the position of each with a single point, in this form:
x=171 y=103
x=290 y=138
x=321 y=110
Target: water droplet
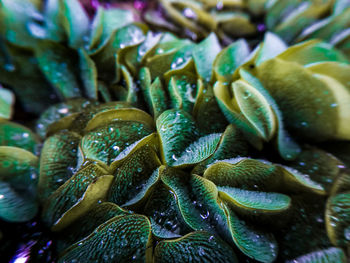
x=220 y=5
x=188 y=12
x=9 y=67
x=63 y=111
x=246 y=94
x=304 y=124
x=205 y=215
x=333 y=105
x=201 y=251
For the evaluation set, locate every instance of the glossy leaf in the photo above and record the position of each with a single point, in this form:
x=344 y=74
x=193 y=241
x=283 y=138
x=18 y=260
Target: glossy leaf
x=154 y=93
x=73 y=199
x=254 y=243
x=135 y=177
x=254 y=201
x=7 y=100
x=232 y=114
x=177 y=130
x=229 y=59
x=123 y=114
x=242 y=173
x=271 y=47
x=57 y=161
x=330 y=255
x=303 y=121
x=182 y=92
x=59 y=111
x=255 y=109
x=58 y=65
x=106 y=22
x=197 y=201
x=97 y=215
x=164 y=213
x=199 y=151
x=224 y=150
x=287 y=147
x=200 y=246
x=206 y=111
x=88 y=73
x=16 y=206
x=122 y=239
x=18 y=165
x=204 y=55
x=338 y=219
x=13 y=134
x=312 y=51
x=53 y=22
x=16 y=16
x=75 y=22
x=107 y=142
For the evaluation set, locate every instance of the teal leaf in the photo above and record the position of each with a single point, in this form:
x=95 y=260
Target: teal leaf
x=15 y=16
x=106 y=23
x=204 y=55
x=286 y=145
x=88 y=74
x=199 y=246
x=16 y=206
x=177 y=130
x=199 y=150
x=58 y=65
x=254 y=243
x=75 y=22
x=329 y=255
x=271 y=47
x=7 y=99
x=122 y=239
x=229 y=59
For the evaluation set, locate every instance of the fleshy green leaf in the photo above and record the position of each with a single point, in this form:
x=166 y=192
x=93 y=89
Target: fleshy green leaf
x=154 y=93
x=106 y=23
x=338 y=219
x=16 y=206
x=58 y=65
x=254 y=201
x=272 y=46
x=134 y=178
x=73 y=199
x=97 y=215
x=204 y=55
x=197 y=246
x=198 y=151
x=329 y=255
x=57 y=161
x=16 y=15
x=255 y=109
x=88 y=74
x=75 y=22
x=13 y=134
x=107 y=142
x=286 y=145
x=197 y=201
x=229 y=59
x=7 y=99
x=254 y=243
x=121 y=239
x=164 y=213
x=177 y=130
